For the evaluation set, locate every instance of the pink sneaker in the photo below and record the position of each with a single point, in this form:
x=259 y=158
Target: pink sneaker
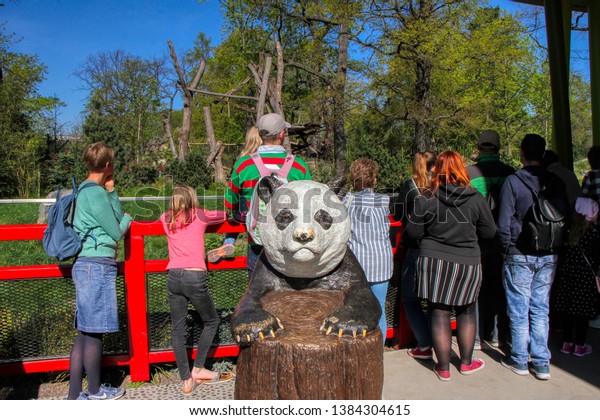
x=419 y=353
x=476 y=364
x=443 y=375
x=581 y=351
x=567 y=348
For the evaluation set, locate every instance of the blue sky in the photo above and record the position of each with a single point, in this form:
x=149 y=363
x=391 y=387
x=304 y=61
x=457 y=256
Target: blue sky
x=62 y=33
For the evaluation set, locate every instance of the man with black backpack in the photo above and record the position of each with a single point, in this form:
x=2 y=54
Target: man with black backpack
x=532 y=222
x=487 y=176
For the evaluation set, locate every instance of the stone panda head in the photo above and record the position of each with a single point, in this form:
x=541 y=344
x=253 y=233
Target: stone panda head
x=305 y=229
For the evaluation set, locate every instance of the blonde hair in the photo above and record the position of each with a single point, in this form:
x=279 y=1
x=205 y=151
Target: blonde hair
x=363 y=174
x=97 y=155
x=422 y=165
x=184 y=204
x=253 y=140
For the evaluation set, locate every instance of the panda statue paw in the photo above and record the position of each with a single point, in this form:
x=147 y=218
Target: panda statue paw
x=333 y=325
x=255 y=325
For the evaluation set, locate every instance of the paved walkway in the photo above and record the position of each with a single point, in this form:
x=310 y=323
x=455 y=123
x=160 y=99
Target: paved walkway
x=408 y=379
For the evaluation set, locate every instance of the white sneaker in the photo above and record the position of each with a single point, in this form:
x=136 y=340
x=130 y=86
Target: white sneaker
x=595 y=323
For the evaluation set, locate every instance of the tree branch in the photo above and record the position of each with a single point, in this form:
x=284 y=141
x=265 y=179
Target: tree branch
x=223 y=95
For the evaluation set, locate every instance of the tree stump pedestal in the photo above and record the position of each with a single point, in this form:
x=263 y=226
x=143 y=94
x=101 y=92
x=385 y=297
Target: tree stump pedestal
x=301 y=362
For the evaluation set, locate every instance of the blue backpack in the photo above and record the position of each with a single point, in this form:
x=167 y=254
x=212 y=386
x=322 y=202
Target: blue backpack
x=60 y=239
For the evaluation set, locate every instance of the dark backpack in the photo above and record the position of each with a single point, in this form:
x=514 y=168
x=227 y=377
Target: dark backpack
x=60 y=239
x=493 y=198
x=545 y=224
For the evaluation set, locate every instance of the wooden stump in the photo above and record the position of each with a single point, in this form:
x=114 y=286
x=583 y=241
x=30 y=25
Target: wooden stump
x=301 y=362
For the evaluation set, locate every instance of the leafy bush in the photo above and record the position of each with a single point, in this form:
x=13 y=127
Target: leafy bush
x=137 y=174
x=62 y=166
x=193 y=171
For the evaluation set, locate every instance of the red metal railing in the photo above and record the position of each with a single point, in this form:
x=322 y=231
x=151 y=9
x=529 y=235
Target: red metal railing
x=134 y=269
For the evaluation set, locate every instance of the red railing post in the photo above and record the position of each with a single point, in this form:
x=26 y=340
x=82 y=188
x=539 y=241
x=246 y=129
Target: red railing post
x=135 y=291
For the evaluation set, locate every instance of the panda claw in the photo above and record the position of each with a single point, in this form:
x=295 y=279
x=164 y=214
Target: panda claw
x=354 y=334
x=279 y=323
x=261 y=335
x=238 y=338
x=247 y=338
x=272 y=333
x=364 y=333
x=322 y=327
x=328 y=331
x=340 y=332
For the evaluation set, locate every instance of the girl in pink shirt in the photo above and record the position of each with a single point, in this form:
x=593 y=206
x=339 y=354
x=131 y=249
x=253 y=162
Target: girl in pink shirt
x=185 y=225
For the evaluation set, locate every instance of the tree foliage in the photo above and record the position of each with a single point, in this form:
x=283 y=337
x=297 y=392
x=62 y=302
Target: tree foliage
x=380 y=79
x=23 y=114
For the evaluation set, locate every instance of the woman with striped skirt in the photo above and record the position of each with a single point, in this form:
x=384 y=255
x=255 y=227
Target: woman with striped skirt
x=447 y=224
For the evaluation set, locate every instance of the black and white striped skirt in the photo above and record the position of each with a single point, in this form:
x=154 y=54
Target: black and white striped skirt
x=447 y=282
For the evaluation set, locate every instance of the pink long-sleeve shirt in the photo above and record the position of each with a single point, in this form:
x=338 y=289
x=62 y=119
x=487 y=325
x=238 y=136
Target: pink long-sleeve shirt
x=186 y=243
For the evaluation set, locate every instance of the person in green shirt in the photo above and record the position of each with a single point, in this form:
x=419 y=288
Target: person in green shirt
x=100 y=223
x=487 y=176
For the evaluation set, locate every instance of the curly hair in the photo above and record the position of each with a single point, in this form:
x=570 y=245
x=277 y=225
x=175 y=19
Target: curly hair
x=363 y=174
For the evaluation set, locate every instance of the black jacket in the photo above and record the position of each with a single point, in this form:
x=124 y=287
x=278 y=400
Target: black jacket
x=449 y=223
x=402 y=206
x=515 y=201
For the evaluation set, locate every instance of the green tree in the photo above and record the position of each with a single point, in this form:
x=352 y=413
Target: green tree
x=127 y=91
x=24 y=114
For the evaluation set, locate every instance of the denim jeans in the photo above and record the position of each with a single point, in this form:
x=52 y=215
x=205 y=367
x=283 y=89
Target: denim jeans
x=412 y=302
x=527 y=281
x=185 y=286
x=380 y=291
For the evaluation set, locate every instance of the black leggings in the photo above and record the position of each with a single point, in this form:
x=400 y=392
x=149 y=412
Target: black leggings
x=441 y=332
x=575 y=329
x=86 y=356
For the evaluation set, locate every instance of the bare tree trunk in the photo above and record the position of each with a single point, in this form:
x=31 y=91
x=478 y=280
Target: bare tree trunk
x=339 y=134
x=167 y=130
x=423 y=137
x=188 y=99
x=264 y=86
x=276 y=94
x=276 y=102
x=215 y=157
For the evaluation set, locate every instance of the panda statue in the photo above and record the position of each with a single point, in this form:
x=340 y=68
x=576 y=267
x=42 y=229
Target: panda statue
x=305 y=232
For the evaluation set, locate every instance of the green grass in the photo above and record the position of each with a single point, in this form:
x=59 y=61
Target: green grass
x=22 y=253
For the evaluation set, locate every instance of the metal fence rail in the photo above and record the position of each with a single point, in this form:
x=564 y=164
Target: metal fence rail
x=37 y=306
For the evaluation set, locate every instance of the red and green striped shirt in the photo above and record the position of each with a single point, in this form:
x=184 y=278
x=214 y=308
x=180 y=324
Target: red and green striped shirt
x=245 y=175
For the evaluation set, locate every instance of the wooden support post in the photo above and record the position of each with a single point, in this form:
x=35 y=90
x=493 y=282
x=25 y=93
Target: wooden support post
x=559 y=80
x=594 y=37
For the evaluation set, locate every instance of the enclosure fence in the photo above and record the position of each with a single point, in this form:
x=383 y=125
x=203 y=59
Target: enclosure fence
x=37 y=307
